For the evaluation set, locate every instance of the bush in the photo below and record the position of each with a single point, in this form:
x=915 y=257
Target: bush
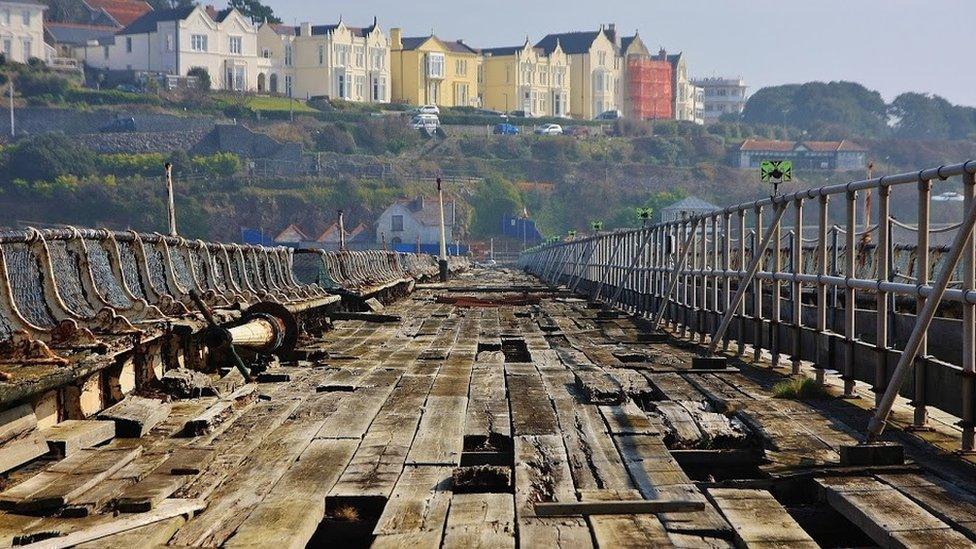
x=334 y=138
x=220 y=164
x=43 y=83
x=203 y=78
x=47 y=156
x=123 y=165
x=110 y=97
x=238 y=111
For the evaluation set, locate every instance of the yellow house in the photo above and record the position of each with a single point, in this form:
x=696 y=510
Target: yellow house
x=426 y=70
x=526 y=78
x=595 y=68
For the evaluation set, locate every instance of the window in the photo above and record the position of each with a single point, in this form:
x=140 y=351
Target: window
x=602 y=58
x=396 y=223
x=461 y=67
x=341 y=55
x=461 y=95
x=321 y=55
x=288 y=52
x=236 y=48
x=360 y=56
x=8 y=48
x=360 y=87
x=169 y=42
x=28 y=49
x=288 y=85
x=198 y=42
x=435 y=65
x=26 y=15
x=5 y=17
x=378 y=56
x=266 y=53
x=379 y=88
x=342 y=85
x=128 y=44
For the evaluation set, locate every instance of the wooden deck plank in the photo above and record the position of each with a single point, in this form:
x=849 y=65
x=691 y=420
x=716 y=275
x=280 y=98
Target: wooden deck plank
x=440 y=435
x=480 y=520
x=418 y=506
x=758 y=519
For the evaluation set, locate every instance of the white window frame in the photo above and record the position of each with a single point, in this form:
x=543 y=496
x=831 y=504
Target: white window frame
x=289 y=55
x=360 y=54
x=236 y=45
x=289 y=85
x=435 y=65
x=28 y=46
x=26 y=17
x=198 y=43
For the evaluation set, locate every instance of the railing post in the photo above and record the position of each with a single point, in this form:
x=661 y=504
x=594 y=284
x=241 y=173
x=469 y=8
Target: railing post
x=881 y=303
x=924 y=320
x=741 y=268
x=757 y=285
x=645 y=238
x=679 y=264
x=726 y=267
x=850 y=307
x=749 y=277
x=921 y=415
x=702 y=282
x=968 y=321
x=797 y=290
x=777 y=292
x=823 y=338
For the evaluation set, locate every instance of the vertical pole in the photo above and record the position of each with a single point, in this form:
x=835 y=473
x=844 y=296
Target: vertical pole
x=442 y=263
x=968 y=321
x=726 y=266
x=342 y=231
x=797 y=291
x=921 y=415
x=741 y=268
x=679 y=264
x=850 y=306
x=823 y=339
x=635 y=260
x=714 y=311
x=13 y=129
x=170 y=200
x=491 y=250
x=777 y=292
x=881 y=304
x=757 y=285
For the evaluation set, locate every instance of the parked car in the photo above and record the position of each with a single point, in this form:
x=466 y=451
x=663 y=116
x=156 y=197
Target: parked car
x=505 y=129
x=577 y=131
x=609 y=115
x=428 y=109
x=549 y=129
x=429 y=122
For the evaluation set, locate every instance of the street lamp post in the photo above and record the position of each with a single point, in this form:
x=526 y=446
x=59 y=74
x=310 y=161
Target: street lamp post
x=443 y=257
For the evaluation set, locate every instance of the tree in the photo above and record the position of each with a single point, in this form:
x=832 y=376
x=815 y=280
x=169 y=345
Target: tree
x=47 y=156
x=823 y=109
x=255 y=10
x=494 y=199
x=202 y=76
x=921 y=116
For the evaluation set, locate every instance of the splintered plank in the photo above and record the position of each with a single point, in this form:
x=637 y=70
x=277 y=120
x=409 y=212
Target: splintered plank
x=71 y=480
x=674 y=386
x=148 y=493
x=417 y=508
x=289 y=515
x=542 y=473
x=440 y=436
x=135 y=416
x=480 y=520
x=758 y=519
x=72 y=435
x=599 y=387
x=628 y=419
x=682 y=428
x=487 y=410
x=650 y=464
x=532 y=413
x=886 y=515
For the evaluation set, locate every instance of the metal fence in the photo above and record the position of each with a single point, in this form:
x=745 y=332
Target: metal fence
x=850 y=301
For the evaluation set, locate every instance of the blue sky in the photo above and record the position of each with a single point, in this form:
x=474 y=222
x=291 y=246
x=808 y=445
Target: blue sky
x=888 y=45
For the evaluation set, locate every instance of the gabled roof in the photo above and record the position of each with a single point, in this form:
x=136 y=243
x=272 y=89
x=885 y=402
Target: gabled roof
x=148 y=22
x=74 y=34
x=692 y=203
x=292 y=233
x=457 y=46
x=425 y=211
x=502 y=51
x=570 y=42
x=123 y=12
x=773 y=145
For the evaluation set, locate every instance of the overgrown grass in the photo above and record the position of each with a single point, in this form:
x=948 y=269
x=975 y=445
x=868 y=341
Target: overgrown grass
x=260 y=103
x=799 y=388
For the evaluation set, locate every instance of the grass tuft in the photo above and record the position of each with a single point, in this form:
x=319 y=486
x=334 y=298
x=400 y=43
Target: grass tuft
x=799 y=388
x=346 y=513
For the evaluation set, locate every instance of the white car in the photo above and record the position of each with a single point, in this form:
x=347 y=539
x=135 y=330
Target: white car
x=429 y=122
x=549 y=129
x=428 y=109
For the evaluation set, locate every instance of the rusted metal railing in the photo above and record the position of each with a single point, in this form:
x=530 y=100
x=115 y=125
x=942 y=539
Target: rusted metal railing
x=864 y=302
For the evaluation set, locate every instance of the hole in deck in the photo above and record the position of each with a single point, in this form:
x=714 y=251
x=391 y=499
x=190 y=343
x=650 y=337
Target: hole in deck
x=488 y=347
x=829 y=528
x=515 y=350
x=348 y=522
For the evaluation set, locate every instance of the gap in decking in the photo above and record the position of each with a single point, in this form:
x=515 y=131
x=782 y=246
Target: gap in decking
x=515 y=350
x=488 y=347
x=802 y=500
x=349 y=522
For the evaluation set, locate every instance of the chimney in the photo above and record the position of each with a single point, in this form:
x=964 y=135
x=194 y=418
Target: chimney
x=396 y=43
x=306 y=30
x=663 y=53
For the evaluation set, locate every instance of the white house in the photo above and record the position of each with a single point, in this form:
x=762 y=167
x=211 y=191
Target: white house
x=406 y=220
x=22 y=30
x=339 y=61
x=174 y=41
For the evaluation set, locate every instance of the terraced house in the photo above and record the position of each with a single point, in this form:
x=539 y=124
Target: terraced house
x=526 y=78
x=595 y=68
x=174 y=41
x=22 y=30
x=428 y=70
x=338 y=61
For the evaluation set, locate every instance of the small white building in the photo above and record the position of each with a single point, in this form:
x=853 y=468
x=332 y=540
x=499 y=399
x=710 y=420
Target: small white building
x=22 y=30
x=174 y=41
x=686 y=208
x=407 y=219
x=722 y=96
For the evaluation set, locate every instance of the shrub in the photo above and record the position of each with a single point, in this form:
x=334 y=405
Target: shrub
x=43 y=83
x=334 y=138
x=237 y=110
x=148 y=165
x=203 y=78
x=799 y=388
x=46 y=156
x=220 y=164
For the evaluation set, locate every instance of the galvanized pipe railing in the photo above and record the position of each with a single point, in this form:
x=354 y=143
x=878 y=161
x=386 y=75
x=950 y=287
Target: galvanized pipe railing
x=842 y=300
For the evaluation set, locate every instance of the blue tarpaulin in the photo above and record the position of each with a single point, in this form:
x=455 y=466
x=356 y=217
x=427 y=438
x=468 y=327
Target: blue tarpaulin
x=256 y=236
x=520 y=228
x=431 y=249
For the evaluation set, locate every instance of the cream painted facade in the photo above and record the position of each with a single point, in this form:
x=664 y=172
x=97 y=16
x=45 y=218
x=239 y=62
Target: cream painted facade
x=22 y=31
x=525 y=78
x=337 y=61
x=178 y=40
x=595 y=70
x=688 y=98
x=427 y=70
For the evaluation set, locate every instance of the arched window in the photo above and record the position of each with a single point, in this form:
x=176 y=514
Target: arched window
x=261 y=83
x=273 y=84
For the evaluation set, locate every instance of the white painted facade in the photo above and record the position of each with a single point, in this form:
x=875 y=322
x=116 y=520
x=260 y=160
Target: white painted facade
x=227 y=49
x=22 y=30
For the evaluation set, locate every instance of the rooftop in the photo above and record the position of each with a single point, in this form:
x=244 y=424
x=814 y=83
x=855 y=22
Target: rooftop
x=124 y=12
x=773 y=145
